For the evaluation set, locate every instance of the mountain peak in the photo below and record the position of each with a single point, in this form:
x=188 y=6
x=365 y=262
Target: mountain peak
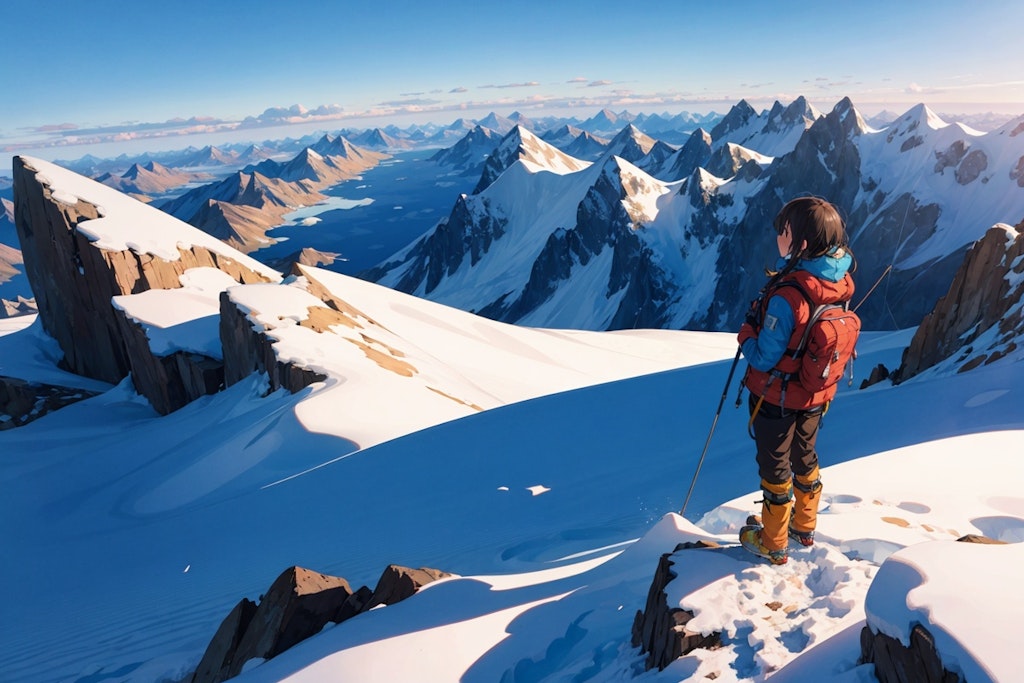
x=739 y=116
x=630 y=143
x=519 y=144
x=921 y=114
x=849 y=118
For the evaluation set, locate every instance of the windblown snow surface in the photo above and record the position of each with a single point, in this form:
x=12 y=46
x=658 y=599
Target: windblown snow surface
x=128 y=536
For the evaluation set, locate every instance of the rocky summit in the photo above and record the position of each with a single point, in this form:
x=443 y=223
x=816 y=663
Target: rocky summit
x=981 y=318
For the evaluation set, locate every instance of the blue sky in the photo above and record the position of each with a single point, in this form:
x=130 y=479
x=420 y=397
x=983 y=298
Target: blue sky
x=108 y=69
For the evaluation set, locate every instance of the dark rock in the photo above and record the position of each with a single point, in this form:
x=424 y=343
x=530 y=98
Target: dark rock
x=981 y=296
x=22 y=402
x=659 y=630
x=973 y=165
x=247 y=350
x=398 y=583
x=298 y=605
x=879 y=373
x=896 y=663
x=217 y=661
x=169 y=381
x=688 y=158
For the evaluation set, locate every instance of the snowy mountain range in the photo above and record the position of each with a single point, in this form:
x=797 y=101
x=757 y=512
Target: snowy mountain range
x=645 y=237
x=355 y=426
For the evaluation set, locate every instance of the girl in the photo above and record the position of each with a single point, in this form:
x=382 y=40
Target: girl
x=813 y=269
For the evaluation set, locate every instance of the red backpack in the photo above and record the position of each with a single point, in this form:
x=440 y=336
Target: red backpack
x=827 y=345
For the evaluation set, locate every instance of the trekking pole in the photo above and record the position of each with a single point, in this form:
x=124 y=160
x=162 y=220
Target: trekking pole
x=873 y=287
x=725 y=391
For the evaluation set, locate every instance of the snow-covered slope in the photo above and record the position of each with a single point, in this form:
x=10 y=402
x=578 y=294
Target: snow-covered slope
x=142 y=532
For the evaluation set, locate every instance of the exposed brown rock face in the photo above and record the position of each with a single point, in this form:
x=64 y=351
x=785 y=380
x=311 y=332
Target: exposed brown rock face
x=307 y=257
x=984 y=299
x=398 y=583
x=248 y=350
x=170 y=381
x=298 y=605
x=660 y=630
x=74 y=282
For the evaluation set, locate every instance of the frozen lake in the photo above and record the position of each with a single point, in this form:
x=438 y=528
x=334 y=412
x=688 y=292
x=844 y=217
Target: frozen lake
x=368 y=219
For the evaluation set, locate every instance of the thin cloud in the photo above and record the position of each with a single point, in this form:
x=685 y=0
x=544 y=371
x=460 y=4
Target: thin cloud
x=297 y=113
x=414 y=102
x=527 y=84
x=455 y=91
x=915 y=89
x=578 y=80
x=598 y=84
x=54 y=127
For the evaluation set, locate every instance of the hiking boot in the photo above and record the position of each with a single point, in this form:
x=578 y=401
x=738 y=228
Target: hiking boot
x=750 y=539
x=804 y=538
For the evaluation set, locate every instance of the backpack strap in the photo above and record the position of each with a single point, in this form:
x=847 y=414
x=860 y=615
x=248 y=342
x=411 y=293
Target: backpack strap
x=798 y=351
x=816 y=312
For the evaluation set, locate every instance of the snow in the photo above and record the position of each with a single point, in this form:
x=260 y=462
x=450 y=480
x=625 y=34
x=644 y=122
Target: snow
x=910 y=590
x=552 y=508
x=163 y=313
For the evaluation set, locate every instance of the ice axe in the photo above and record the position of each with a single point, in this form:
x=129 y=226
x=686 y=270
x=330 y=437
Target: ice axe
x=725 y=391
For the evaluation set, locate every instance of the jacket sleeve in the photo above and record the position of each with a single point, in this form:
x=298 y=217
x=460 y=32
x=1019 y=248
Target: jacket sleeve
x=765 y=350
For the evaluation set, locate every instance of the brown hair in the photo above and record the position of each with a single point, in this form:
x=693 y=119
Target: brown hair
x=815 y=221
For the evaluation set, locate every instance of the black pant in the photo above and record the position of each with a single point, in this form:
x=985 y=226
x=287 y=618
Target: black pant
x=785 y=441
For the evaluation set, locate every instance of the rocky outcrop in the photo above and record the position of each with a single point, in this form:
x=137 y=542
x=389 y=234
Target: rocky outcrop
x=898 y=663
x=219 y=659
x=298 y=605
x=170 y=381
x=74 y=281
x=916 y=662
x=248 y=349
x=660 y=629
x=398 y=583
x=22 y=402
x=981 y=318
x=306 y=257
x=879 y=373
